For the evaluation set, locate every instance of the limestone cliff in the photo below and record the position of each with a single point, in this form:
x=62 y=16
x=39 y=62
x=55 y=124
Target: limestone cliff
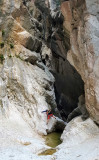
x=49 y=59
x=68 y=83
x=82 y=21
x=26 y=85
x=44 y=40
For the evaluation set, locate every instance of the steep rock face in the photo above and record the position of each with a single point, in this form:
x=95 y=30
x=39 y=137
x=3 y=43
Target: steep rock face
x=68 y=83
x=84 y=31
x=26 y=85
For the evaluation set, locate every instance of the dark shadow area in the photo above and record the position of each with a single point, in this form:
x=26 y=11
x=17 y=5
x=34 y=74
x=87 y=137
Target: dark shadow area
x=68 y=87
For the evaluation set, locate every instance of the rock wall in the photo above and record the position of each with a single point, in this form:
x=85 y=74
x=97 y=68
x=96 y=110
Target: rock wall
x=68 y=83
x=82 y=20
x=42 y=39
x=26 y=85
x=34 y=40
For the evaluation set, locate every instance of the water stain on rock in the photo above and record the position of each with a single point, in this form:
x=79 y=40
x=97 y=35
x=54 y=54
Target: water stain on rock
x=52 y=140
x=47 y=152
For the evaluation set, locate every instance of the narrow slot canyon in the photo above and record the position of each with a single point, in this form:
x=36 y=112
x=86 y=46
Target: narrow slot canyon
x=68 y=85
x=49 y=80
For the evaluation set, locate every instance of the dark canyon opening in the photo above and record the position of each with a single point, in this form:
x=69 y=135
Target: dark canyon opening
x=68 y=87
x=68 y=83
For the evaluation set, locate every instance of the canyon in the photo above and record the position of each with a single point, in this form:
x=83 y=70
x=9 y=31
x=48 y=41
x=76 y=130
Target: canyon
x=49 y=60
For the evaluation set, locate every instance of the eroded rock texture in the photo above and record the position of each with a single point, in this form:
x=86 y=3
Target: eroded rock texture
x=79 y=139
x=26 y=85
x=84 y=51
x=68 y=83
x=36 y=37
x=46 y=35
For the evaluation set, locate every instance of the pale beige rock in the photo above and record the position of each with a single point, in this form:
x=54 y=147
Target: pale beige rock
x=24 y=86
x=27 y=88
x=70 y=58
x=26 y=54
x=80 y=141
x=66 y=11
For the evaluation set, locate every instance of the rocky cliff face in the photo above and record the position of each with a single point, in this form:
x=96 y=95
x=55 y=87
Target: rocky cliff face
x=48 y=56
x=43 y=38
x=68 y=83
x=83 y=24
x=26 y=85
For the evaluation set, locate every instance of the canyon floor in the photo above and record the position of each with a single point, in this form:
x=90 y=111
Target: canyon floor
x=18 y=141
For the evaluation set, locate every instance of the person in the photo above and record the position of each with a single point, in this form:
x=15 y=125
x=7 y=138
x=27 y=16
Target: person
x=49 y=114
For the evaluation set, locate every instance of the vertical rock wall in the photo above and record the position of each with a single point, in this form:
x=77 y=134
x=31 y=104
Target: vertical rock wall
x=84 y=39
x=68 y=83
x=26 y=85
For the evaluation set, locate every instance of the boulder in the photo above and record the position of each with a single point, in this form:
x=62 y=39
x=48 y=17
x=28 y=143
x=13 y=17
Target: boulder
x=80 y=141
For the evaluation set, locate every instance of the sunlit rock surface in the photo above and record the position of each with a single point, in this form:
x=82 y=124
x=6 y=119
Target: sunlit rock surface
x=25 y=88
x=80 y=141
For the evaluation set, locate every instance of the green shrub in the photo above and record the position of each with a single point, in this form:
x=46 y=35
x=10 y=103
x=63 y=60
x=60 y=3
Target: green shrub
x=2 y=57
x=2 y=44
x=3 y=33
x=18 y=56
x=10 y=56
x=11 y=45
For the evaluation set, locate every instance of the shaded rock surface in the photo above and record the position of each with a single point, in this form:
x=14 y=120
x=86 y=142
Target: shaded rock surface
x=84 y=39
x=80 y=110
x=68 y=83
